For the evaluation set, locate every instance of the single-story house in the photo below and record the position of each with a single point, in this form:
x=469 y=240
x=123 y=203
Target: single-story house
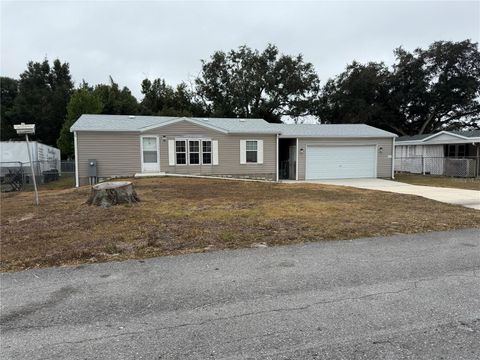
x=450 y=153
x=108 y=146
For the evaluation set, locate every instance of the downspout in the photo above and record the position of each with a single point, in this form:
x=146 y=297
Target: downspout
x=296 y=160
x=75 y=143
x=393 y=158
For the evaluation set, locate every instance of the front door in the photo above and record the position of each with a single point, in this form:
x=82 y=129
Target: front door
x=150 y=155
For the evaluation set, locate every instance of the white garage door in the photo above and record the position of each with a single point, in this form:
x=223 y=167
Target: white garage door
x=341 y=162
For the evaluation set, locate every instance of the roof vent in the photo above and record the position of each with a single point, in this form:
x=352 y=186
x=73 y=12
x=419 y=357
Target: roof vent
x=205 y=119
x=131 y=116
x=242 y=120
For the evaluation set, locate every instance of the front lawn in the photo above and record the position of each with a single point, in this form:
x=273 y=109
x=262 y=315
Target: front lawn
x=180 y=215
x=440 y=181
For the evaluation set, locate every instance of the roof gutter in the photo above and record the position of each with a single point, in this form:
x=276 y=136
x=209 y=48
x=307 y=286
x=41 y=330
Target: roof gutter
x=338 y=136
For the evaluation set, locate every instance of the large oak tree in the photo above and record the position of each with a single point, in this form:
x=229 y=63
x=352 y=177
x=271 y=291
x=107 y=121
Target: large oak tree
x=159 y=98
x=248 y=83
x=437 y=88
x=425 y=91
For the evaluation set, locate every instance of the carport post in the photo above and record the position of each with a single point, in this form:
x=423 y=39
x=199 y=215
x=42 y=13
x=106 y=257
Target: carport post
x=276 y=158
x=393 y=158
x=296 y=159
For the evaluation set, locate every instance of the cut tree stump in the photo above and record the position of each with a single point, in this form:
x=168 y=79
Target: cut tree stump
x=112 y=193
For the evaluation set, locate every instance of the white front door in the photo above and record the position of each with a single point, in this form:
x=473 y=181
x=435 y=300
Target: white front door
x=341 y=162
x=150 y=154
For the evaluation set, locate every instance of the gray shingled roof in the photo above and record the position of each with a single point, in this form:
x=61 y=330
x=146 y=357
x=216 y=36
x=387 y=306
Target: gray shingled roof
x=413 y=137
x=228 y=125
x=330 y=130
x=88 y=122
x=469 y=134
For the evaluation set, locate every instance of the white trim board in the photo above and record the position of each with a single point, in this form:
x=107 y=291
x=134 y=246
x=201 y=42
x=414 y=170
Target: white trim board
x=75 y=144
x=193 y=121
x=444 y=133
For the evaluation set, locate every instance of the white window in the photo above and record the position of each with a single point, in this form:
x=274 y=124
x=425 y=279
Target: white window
x=181 y=151
x=251 y=151
x=206 y=152
x=194 y=152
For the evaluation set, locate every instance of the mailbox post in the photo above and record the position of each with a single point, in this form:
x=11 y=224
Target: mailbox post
x=25 y=129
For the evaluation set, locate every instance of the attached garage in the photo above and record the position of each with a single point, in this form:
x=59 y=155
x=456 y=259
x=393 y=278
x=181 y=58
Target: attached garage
x=341 y=162
x=327 y=151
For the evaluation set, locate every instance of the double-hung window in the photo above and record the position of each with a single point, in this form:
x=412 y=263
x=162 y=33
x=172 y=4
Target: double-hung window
x=181 y=152
x=251 y=151
x=206 y=152
x=194 y=152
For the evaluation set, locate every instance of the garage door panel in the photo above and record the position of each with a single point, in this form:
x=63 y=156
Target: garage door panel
x=340 y=162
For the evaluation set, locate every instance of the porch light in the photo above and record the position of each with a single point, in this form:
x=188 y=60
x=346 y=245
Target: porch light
x=164 y=138
x=380 y=149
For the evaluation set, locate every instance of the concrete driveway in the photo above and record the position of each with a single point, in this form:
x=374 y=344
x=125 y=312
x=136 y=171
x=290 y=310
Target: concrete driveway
x=467 y=198
x=401 y=297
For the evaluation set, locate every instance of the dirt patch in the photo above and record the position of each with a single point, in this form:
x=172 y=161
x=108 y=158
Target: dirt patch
x=180 y=215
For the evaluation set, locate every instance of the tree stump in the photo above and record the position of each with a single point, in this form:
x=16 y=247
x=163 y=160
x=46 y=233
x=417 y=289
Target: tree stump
x=112 y=193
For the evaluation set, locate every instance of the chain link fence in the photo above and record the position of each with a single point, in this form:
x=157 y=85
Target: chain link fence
x=17 y=176
x=465 y=167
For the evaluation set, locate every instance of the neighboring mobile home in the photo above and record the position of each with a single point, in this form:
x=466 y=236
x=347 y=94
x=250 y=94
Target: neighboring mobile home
x=450 y=153
x=108 y=146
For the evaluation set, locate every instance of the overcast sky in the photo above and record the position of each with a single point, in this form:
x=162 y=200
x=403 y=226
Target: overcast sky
x=131 y=40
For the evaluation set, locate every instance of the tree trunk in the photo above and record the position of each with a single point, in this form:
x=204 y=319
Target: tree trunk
x=112 y=193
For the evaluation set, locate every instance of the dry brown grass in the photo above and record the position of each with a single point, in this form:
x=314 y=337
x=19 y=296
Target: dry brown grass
x=440 y=181
x=179 y=215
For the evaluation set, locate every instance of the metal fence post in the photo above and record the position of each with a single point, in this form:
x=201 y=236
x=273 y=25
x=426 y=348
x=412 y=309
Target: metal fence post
x=33 y=171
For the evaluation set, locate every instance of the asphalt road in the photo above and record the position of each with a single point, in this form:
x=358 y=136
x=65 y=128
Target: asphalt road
x=402 y=297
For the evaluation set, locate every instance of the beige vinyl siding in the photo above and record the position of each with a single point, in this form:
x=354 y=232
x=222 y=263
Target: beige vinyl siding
x=384 y=162
x=117 y=153
x=228 y=151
